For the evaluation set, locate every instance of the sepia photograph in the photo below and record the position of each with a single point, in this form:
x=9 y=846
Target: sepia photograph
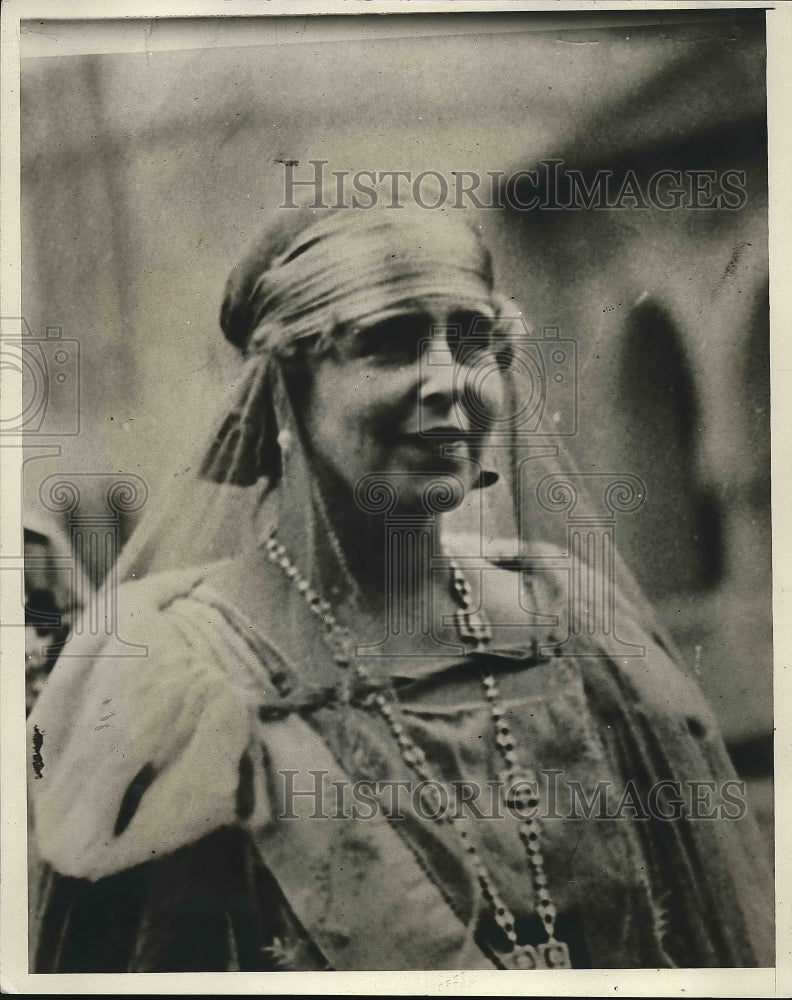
x=392 y=450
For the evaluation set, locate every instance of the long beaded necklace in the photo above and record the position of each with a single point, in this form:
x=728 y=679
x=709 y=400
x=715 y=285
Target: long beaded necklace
x=518 y=780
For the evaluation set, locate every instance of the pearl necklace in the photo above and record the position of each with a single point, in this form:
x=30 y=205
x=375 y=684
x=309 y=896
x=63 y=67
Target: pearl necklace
x=518 y=781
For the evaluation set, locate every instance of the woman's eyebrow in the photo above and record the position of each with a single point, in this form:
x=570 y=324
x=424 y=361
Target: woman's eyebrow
x=406 y=321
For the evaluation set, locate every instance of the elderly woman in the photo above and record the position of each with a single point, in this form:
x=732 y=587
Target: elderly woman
x=355 y=743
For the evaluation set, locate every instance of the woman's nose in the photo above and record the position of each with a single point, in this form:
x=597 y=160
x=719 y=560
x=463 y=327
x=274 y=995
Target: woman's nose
x=439 y=374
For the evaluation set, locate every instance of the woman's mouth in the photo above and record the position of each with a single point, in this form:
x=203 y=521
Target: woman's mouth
x=434 y=436
x=436 y=441
x=443 y=449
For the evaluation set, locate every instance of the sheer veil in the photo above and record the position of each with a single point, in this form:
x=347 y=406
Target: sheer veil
x=317 y=269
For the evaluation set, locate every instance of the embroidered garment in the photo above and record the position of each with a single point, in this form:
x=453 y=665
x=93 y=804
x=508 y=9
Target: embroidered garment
x=169 y=809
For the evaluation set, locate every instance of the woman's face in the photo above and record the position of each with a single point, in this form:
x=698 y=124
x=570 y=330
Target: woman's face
x=407 y=397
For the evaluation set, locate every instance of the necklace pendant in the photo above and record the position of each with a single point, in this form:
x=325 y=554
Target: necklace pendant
x=525 y=957
x=522 y=957
x=555 y=955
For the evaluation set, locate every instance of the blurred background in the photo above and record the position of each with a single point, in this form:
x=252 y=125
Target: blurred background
x=146 y=171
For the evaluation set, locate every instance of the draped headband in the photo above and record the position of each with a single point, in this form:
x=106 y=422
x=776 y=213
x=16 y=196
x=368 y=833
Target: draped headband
x=354 y=266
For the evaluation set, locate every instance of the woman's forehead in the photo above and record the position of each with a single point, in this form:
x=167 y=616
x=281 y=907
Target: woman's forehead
x=431 y=310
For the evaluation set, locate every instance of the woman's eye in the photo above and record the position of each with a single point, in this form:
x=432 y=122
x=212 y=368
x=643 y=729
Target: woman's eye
x=392 y=341
x=400 y=339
